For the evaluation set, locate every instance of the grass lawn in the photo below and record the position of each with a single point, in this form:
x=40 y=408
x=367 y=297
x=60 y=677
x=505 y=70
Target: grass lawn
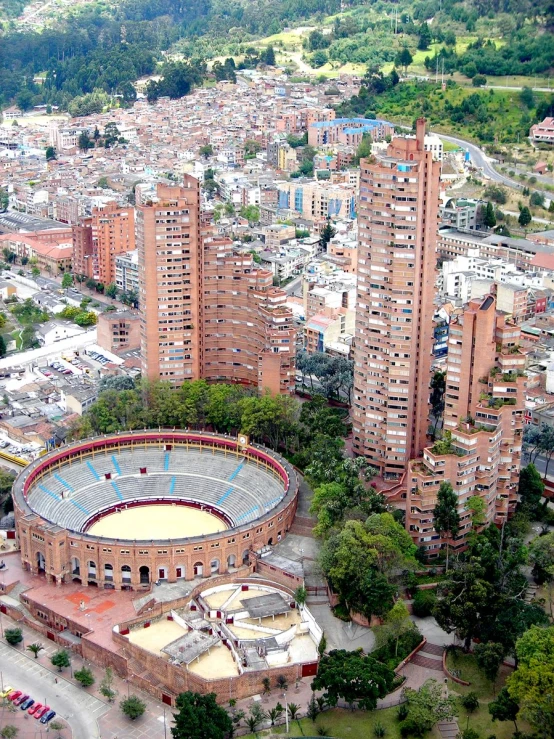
x=449 y=146
x=344 y=724
x=16 y=336
x=285 y=39
x=481 y=719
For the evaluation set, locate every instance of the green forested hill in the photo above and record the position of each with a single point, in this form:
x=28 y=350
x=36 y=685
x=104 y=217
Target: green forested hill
x=100 y=48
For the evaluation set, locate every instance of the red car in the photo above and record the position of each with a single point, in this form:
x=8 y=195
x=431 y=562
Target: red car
x=13 y=696
x=40 y=713
x=21 y=698
x=34 y=708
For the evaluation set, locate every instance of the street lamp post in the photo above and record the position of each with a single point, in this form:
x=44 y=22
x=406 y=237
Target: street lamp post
x=286 y=712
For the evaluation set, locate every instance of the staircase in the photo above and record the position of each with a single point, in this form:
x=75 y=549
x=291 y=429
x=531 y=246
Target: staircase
x=449 y=729
x=430 y=657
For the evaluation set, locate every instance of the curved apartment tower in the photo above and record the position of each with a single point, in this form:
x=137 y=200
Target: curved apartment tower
x=207 y=310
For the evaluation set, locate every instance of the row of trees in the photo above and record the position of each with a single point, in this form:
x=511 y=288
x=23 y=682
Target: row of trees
x=280 y=421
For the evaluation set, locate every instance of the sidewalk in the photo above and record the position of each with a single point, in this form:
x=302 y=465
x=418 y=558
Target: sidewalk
x=113 y=724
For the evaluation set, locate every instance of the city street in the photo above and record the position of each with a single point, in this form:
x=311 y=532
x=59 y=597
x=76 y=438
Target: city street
x=540 y=464
x=72 y=704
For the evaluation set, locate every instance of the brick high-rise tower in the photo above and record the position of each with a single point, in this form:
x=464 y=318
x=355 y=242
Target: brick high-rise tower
x=397 y=220
x=169 y=254
x=207 y=310
x=480 y=453
x=99 y=238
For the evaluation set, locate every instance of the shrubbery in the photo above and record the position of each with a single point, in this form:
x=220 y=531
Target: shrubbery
x=424 y=602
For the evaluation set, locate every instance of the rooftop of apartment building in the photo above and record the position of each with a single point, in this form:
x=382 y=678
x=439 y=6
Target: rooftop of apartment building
x=13 y=222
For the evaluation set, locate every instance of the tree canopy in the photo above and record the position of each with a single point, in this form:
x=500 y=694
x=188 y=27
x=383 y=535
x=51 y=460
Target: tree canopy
x=364 y=562
x=199 y=716
x=532 y=683
x=356 y=678
x=484 y=595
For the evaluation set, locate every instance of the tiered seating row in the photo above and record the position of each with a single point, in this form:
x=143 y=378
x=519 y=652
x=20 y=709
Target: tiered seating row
x=72 y=494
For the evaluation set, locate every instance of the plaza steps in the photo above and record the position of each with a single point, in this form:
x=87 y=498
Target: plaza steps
x=430 y=663
x=433 y=649
x=448 y=729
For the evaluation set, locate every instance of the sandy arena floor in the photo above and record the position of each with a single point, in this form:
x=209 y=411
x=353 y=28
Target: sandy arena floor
x=241 y=633
x=216 y=600
x=157 y=522
x=219 y=663
x=157 y=636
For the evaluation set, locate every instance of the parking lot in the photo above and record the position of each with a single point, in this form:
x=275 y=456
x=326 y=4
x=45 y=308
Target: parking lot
x=71 y=703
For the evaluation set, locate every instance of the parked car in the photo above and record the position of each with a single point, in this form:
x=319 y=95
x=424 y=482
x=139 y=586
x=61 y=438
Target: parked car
x=47 y=717
x=14 y=696
x=43 y=710
x=34 y=708
x=20 y=698
x=6 y=692
x=27 y=704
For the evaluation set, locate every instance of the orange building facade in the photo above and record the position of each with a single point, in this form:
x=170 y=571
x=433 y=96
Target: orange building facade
x=99 y=238
x=397 y=222
x=207 y=310
x=483 y=425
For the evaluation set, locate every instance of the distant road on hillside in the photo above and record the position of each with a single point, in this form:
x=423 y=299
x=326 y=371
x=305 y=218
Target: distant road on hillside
x=483 y=162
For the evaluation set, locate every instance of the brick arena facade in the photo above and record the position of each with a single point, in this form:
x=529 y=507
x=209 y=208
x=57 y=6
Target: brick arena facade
x=58 y=496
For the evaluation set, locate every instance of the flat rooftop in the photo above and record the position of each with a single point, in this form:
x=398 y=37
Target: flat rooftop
x=263 y=606
x=190 y=646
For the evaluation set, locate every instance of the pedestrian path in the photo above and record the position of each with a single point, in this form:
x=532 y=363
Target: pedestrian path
x=448 y=729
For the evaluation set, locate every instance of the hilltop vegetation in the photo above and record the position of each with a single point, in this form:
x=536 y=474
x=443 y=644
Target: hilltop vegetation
x=100 y=48
x=485 y=115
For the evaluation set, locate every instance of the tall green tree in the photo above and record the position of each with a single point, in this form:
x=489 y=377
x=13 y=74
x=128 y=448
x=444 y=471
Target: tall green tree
x=489 y=219
x=446 y=519
x=438 y=388
x=424 y=37
x=504 y=708
x=532 y=683
x=356 y=678
x=525 y=217
x=530 y=489
x=326 y=234
x=404 y=59
x=199 y=716
x=489 y=657
x=84 y=142
x=541 y=556
x=397 y=622
x=465 y=597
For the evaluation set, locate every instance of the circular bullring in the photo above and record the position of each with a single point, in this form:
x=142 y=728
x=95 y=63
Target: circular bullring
x=181 y=504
